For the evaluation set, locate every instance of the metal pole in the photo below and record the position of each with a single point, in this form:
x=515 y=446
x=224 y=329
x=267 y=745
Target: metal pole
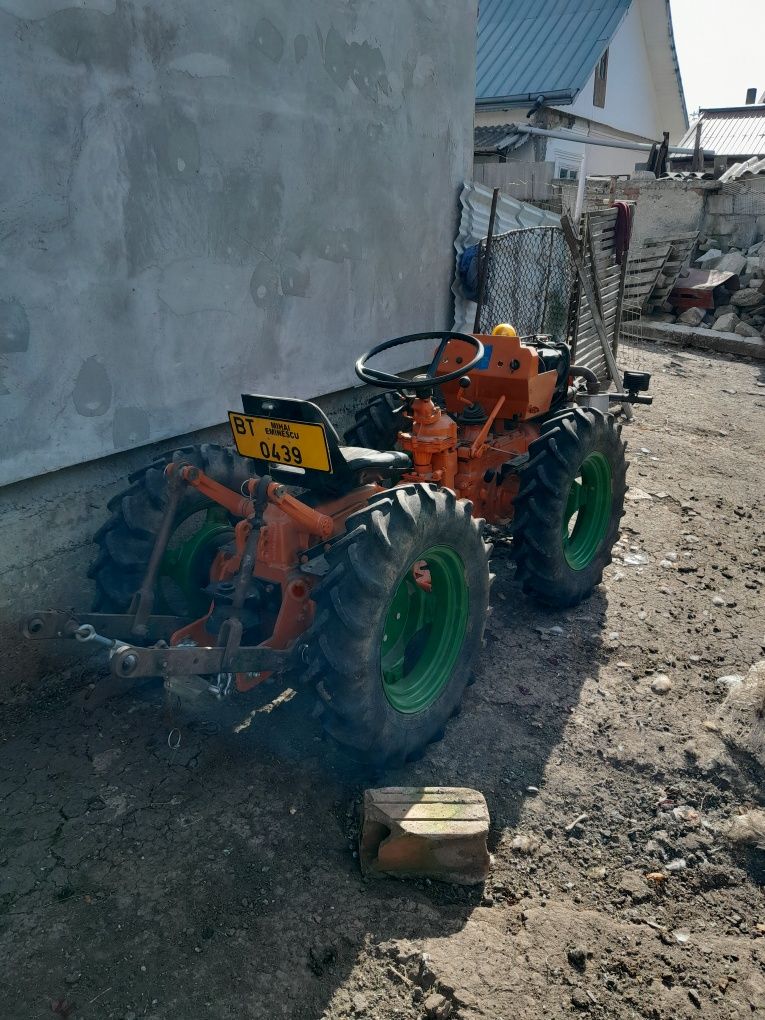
x=609 y=143
x=485 y=261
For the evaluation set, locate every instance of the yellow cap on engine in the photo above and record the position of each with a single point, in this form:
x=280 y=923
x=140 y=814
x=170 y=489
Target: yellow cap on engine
x=504 y=329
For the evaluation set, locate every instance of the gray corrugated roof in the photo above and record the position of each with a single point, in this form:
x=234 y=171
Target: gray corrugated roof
x=486 y=138
x=730 y=131
x=528 y=48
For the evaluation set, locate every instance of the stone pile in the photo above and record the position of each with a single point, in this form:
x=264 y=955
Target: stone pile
x=741 y=310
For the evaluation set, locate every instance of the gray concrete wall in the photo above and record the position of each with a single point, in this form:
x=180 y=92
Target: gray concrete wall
x=663 y=208
x=666 y=208
x=735 y=216
x=198 y=197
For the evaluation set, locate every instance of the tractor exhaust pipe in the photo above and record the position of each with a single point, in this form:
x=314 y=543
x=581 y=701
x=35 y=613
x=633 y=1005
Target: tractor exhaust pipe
x=593 y=383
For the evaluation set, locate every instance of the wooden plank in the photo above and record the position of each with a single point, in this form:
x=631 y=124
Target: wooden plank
x=653 y=260
x=646 y=274
x=650 y=255
x=586 y=284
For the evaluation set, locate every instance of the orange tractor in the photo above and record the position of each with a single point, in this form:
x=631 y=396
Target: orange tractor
x=362 y=568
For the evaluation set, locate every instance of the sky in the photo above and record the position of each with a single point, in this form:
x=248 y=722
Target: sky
x=721 y=49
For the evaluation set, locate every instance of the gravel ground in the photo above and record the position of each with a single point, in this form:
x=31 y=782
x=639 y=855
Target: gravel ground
x=219 y=879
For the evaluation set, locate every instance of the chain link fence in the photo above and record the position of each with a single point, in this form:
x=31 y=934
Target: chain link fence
x=529 y=280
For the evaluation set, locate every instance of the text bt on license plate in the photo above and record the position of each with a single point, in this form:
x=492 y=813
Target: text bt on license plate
x=296 y=443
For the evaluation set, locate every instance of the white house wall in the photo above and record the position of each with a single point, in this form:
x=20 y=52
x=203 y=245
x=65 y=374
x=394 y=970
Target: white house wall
x=630 y=98
x=631 y=108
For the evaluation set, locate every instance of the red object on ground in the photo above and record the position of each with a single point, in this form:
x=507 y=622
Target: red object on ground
x=699 y=288
x=623 y=231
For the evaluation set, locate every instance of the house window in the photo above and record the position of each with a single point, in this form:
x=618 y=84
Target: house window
x=567 y=164
x=601 y=76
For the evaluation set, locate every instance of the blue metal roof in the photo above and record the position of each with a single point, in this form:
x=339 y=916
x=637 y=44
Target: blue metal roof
x=528 y=48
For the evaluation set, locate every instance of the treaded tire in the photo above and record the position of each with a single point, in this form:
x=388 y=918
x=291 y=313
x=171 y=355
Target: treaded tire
x=378 y=423
x=555 y=459
x=344 y=645
x=125 y=541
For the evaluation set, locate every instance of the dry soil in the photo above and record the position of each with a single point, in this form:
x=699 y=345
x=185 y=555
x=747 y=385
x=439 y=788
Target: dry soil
x=219 y=879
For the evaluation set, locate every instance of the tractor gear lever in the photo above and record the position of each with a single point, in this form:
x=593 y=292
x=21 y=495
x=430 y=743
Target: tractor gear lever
x=428 y=379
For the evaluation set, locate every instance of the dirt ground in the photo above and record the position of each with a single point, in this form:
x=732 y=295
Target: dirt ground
x=220 y=880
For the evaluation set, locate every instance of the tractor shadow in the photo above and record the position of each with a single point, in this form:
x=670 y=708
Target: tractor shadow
x=220 y=850
x=528 y=684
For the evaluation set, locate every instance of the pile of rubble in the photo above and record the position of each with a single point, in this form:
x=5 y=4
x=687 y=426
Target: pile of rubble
x=738 y=302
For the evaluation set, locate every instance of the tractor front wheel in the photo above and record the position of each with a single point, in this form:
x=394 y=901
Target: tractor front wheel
x=569 y=505
x=400 y=616
x=379 y=422
x=200 y=528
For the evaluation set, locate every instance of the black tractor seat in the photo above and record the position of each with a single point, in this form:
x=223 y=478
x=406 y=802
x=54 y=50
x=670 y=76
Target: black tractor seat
x=351 y=466
x=359 y=459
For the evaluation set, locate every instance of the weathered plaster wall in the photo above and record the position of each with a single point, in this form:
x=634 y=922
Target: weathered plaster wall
x=197 y=198
x=662 y=207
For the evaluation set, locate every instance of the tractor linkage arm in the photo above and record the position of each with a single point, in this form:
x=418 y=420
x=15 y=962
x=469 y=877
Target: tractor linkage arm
x=130 y=660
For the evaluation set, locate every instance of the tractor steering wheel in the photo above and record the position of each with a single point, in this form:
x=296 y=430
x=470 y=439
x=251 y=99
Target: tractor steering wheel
x=426 y=380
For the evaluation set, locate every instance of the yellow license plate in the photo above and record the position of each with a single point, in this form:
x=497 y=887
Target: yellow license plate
x=293 y=443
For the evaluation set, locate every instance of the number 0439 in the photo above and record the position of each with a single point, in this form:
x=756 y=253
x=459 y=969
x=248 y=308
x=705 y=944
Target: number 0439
x=297 y=444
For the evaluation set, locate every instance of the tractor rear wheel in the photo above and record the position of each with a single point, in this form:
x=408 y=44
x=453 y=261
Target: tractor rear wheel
x=400 y=616
x=201 y=527
x=378 y=423
x=569 y=505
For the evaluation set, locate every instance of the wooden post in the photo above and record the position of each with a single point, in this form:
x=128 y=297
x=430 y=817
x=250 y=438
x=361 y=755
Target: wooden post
x=698 y=153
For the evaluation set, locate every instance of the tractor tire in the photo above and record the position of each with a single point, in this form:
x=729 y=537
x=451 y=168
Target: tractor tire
x=391 y=660
x=569 y=505
x=126 y=540
x=378 y=423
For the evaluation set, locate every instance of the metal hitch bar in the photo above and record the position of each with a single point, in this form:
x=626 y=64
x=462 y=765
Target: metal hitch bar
x=128 y=661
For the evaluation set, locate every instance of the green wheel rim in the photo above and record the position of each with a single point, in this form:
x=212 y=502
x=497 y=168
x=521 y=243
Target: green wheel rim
x=424 y=632
x=587 y=512
x=189 y=556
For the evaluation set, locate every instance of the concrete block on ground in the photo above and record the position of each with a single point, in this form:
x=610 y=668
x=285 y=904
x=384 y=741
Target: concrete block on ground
x=741 y=717
x=709 y=259
x=745 y=329
x=747 y=297
x=726 y=323
x=733 y=262
x=425 y=832
x=723 y=310
x=692 y=316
